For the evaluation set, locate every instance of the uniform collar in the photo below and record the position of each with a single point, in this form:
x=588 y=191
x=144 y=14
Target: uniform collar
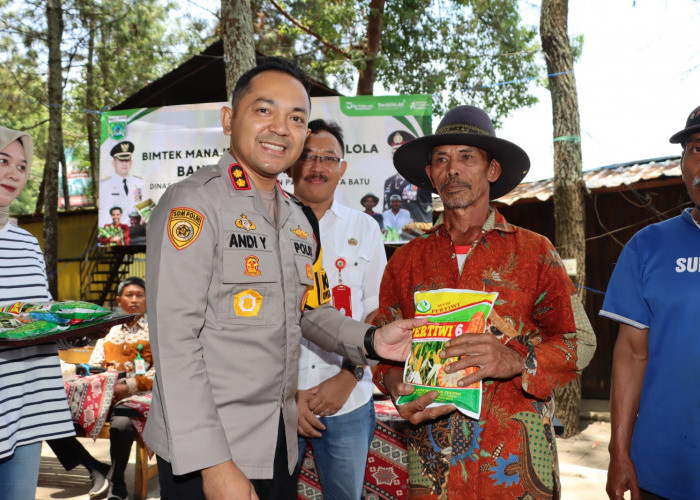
x=119 y=178
x=282 y=199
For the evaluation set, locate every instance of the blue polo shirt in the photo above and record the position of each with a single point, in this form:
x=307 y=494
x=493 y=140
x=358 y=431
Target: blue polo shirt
x=656 y=285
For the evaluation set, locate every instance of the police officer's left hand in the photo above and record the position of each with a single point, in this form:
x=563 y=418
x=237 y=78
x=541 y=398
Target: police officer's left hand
x=393 y=341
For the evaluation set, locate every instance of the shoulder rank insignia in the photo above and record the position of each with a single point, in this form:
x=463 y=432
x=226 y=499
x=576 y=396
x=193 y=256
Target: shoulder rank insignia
x=239 y=178
x=247 y=303
x=252 y=264
x=300 y=232
x=245 y=223
x=184 y=226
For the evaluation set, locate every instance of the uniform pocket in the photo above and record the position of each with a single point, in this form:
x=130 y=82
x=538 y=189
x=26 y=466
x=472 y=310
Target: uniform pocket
x=251 y=289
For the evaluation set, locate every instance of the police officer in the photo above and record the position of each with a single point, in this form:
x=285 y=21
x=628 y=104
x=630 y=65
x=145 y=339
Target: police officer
x=230 y=281
x=417 y=201
x=121 y=189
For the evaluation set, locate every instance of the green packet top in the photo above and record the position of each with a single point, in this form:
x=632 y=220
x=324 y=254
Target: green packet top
x=71 y=309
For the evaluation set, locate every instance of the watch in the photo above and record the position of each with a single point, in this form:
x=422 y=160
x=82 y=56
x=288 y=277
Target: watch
x=369 y=344
x=357 y=370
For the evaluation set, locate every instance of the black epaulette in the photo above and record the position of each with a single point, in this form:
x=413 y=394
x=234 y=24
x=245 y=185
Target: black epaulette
x=311 y=216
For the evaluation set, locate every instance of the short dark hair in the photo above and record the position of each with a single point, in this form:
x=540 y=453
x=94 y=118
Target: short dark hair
x=115 y=208
x=320 y=125
x=131 y=280
x=273 y=63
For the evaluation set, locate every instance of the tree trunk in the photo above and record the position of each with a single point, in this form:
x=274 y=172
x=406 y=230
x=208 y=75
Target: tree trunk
x=64 y=178
x=568 y=182
x=54 y=17
x=365 y=82
x=237 y=35
x=91 y=119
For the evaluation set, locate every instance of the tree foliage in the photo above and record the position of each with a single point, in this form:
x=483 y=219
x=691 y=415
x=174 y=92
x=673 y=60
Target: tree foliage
x=128 y=43
x=459 y=51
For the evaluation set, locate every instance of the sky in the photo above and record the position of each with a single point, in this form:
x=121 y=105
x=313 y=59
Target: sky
x=638 y=78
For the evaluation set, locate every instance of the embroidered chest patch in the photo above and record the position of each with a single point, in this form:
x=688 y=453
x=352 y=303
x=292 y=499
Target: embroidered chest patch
x=184 y=226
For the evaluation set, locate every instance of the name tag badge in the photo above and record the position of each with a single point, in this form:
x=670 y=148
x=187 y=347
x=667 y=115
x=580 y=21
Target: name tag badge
x=341 y=294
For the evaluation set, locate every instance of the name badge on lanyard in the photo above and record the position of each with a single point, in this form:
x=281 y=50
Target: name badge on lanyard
x=340 y=293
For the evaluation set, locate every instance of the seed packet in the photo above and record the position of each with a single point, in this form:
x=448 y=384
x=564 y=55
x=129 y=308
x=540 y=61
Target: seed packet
x=34 y=329
x=450 y=313
x=9 y=321
x=24 y=320
x=57 y=312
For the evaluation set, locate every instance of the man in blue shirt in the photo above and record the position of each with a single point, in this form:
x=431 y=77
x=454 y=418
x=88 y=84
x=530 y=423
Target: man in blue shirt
x=654 y=293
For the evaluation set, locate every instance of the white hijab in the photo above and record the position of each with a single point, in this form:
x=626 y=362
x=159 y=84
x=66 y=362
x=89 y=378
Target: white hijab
x=7 y=137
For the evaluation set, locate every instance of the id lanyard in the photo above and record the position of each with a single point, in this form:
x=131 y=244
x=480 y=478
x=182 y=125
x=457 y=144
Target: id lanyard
x=341 y=293
x=139 y=362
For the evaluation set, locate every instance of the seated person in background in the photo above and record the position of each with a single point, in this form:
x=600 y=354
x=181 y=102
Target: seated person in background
x=117 y=351
x=395 y=219
x=116 y=233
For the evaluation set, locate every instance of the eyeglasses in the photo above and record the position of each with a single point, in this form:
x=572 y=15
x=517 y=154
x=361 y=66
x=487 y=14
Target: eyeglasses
x=328 y=161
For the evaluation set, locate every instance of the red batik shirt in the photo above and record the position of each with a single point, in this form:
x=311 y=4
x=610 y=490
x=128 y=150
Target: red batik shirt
x=511 y=451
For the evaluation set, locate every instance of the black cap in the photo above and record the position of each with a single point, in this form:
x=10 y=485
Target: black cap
x=122 y=150
x=398 y=138
x=692 y=125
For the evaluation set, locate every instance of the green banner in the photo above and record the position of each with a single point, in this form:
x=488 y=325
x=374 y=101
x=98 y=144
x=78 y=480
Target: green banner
x=413 y=104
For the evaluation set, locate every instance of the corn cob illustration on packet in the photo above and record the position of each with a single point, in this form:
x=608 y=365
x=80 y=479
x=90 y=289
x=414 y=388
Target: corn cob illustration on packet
x=450 y=312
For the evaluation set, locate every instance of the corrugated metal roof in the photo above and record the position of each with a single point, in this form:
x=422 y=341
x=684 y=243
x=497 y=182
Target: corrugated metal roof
x=603 y=177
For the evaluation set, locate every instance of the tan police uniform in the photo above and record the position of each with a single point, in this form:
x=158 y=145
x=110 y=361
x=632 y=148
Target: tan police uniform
x=226 y=288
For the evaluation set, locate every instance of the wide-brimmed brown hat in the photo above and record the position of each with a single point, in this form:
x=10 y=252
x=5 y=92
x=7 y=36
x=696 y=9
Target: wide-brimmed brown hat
x=470 y=126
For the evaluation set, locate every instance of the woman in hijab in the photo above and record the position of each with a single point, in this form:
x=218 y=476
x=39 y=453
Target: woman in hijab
x=33 y=404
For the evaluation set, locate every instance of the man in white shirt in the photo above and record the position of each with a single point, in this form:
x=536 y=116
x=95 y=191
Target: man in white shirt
x=395 y=218
x=121 y=189
x=336 y=410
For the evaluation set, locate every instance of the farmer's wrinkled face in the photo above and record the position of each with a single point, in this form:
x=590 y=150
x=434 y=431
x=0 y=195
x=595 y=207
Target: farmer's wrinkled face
x=462 y=175
x=13 y=172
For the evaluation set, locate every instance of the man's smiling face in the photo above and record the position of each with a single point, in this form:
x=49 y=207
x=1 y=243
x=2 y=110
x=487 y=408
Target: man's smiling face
x=315 y=179
x=268 y=125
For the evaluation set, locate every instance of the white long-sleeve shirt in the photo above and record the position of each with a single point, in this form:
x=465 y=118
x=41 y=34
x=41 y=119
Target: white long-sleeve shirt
x=355 y=237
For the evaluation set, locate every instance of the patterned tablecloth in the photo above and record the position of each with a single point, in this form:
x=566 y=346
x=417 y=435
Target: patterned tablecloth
x=386 y=475
x=90 y=399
